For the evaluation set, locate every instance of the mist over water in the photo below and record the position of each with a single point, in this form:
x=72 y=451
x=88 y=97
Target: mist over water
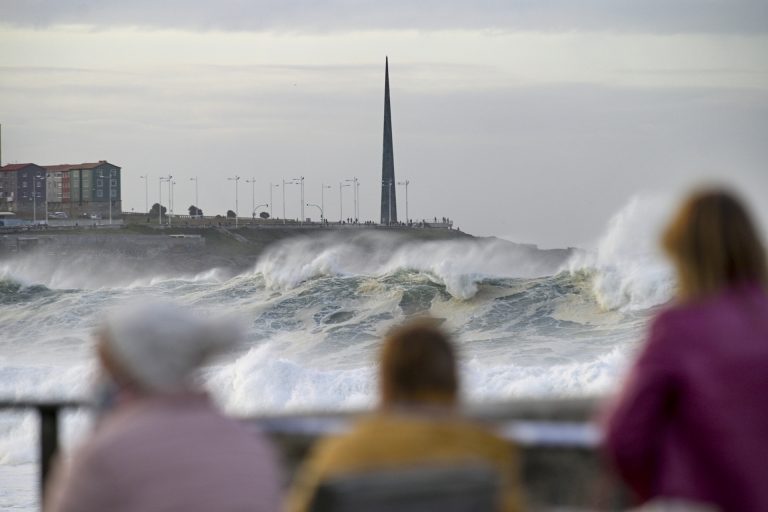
x=527 y=322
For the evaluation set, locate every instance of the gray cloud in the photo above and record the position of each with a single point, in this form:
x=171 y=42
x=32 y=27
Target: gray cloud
x=652 y=16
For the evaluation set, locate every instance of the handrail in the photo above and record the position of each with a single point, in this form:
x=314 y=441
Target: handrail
x=48 y=411
x=534 y=423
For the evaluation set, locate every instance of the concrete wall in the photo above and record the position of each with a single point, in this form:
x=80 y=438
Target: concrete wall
x=106 y=244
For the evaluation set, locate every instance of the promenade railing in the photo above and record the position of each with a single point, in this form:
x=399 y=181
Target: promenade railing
x=557 y=440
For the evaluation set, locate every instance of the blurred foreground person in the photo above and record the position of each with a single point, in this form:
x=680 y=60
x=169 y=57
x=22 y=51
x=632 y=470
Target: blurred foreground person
x=417 y=428
x=692 y=421
x=160 y=444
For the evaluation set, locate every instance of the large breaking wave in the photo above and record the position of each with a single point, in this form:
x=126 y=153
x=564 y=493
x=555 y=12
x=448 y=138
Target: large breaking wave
x=527 y=322
x=316 y=303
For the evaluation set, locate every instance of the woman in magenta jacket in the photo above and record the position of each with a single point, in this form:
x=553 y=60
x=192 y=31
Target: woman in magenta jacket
x=692 y=420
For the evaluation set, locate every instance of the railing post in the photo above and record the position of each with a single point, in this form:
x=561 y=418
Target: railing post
x=49 y=441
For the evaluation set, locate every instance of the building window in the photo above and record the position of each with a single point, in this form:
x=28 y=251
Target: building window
x=99 y=182
x=113 y=173
x=23 y=184
x=113 y=193
x=112 y=183
x=99 y=193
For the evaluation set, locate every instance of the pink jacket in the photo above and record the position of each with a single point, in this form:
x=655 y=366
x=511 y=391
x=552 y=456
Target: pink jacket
x=692 y=420
x=168 y=454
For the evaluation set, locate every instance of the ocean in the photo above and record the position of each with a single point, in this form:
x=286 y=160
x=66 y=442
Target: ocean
x=527 y=323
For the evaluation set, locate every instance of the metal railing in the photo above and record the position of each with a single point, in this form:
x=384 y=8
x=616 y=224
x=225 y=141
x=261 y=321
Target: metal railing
x=539 y=427
x=48 y=434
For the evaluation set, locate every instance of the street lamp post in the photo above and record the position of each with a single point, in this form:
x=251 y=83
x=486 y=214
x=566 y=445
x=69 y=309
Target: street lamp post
x=235 y=179
x=35 y=185
x=45 y=188
x=300 y=181
x=284 y=182
x=197 y=199
x=257 y=207
x=172 y=189
x=252 y=181
x=406 y=183
x=161 y=179
x=323 y=186
x=271 y=186
x=355 y=184
x=341 y=201
x=146 y=192
x=160 y=201
x=319 y=208
x=290 y=182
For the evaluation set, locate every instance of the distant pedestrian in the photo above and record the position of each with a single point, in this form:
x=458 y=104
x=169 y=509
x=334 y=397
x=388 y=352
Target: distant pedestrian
x=692 y=420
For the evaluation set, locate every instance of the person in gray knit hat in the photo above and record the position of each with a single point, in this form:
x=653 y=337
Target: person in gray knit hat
x=160 y=443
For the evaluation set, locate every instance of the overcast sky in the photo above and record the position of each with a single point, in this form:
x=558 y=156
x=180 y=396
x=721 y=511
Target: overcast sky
x=525 y=119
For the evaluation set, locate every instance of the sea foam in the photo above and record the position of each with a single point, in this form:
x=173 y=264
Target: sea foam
x=629 y=271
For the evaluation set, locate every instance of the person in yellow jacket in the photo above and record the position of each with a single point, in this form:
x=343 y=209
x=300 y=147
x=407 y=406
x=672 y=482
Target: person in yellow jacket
x=416 y=424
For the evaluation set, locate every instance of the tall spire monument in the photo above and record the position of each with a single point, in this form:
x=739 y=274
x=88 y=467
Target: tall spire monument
x=388 y=191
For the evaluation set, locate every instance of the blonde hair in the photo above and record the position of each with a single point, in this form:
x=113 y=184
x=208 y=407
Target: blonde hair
x=714 y=244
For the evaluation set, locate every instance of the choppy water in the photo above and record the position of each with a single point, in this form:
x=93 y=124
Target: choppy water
x=316 y=308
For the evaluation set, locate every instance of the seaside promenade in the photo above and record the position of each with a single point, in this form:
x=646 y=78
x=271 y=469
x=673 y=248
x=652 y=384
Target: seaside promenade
x=187 y=221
